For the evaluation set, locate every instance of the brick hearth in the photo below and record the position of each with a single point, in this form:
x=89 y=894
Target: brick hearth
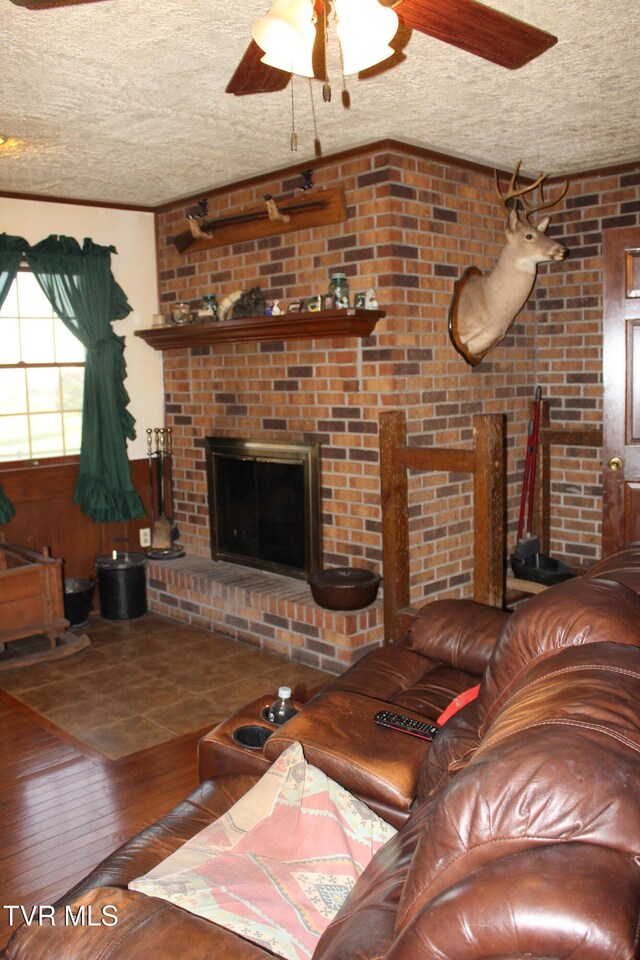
x=270 y=611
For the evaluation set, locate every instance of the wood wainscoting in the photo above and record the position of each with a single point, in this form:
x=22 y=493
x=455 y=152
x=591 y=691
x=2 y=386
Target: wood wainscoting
x=46 y=515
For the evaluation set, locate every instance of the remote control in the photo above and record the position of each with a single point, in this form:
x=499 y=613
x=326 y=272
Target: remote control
x=415 y=728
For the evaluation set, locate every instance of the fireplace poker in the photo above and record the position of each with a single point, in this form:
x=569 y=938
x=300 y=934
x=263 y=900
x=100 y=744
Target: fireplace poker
x=161 y=537
x=175 y=533
x=150 y=456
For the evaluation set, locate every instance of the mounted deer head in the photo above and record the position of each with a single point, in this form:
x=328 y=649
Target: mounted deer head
x=483 y=308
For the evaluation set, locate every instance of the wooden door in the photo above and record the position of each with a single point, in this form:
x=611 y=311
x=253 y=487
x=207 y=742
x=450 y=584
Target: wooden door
x=621 y=347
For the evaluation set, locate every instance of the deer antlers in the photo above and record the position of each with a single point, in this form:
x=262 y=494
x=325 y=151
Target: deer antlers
x=519 y=194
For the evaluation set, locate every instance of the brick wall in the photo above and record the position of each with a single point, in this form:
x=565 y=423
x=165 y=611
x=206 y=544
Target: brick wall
x=415 y=222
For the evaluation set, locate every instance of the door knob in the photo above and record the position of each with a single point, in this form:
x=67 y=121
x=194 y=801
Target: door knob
x=615 y=463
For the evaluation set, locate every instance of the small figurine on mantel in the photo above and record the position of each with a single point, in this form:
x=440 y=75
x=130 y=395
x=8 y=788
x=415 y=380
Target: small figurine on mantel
x=209 y=309
x=250 y=303
x=275 y=308
x=370 y=302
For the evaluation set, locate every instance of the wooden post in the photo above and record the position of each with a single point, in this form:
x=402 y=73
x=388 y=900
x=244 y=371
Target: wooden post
x=489 y=506
x=395 y=521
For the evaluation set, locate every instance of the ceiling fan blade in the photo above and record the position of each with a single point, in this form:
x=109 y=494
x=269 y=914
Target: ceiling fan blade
x=253 y=76
x=478 y=29
x=46 y=4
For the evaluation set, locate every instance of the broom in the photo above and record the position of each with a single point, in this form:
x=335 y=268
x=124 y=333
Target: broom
x=528 y=545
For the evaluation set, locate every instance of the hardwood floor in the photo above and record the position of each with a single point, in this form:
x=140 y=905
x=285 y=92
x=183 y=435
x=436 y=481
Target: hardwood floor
x=65 y=807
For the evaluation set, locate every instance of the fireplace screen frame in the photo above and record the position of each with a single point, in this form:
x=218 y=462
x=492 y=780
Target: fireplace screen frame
x=278 y=451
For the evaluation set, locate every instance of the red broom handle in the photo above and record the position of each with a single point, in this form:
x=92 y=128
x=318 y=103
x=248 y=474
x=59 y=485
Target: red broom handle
x=525 y=480
x=534 y=456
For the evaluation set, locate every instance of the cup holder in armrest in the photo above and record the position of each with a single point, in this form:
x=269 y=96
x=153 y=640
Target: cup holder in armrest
x=251 y=736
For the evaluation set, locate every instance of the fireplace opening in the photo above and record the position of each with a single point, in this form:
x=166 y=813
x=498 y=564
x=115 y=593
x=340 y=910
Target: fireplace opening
x=264 y=504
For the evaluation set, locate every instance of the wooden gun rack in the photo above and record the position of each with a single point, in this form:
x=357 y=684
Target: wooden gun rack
x=485 y=461
x=319 y=209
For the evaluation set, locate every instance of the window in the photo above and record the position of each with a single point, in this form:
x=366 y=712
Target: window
x=41 y=377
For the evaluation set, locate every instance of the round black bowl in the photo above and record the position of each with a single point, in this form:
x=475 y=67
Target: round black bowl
x=344 y=588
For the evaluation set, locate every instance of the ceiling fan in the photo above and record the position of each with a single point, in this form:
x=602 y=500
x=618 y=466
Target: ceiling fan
x=467 y=24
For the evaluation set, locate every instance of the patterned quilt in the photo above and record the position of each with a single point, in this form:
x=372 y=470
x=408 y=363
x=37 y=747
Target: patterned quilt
x=278 y=865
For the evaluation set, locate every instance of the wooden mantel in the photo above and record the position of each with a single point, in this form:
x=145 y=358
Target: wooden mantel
x=286 y=326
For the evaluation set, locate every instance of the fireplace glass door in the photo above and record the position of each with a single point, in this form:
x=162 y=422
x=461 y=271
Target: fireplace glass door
x=264 y=504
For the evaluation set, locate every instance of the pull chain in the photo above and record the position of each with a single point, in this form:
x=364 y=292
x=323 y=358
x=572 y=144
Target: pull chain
x=294 y=135
x=326 y=86
x=317 y=146
x=346 y=96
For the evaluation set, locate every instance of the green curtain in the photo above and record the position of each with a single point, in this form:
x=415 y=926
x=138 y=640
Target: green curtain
x=11 y=252
x=80 y=286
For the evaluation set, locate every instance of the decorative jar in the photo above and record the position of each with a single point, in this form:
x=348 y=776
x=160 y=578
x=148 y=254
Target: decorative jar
x=339 y=290
x=181 y=312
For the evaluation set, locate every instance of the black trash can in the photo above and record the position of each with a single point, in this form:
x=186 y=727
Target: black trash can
x=122 y=586
x=78 y=594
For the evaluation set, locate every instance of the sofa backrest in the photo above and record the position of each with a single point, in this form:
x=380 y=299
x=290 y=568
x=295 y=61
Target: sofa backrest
x=573 y=613
x=623 y=566
x=458 y=633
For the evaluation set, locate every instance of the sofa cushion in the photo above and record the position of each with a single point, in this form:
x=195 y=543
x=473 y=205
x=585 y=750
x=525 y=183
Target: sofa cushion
x=451 y=750
x=403 y=677
x=339 y=735
x=458 y=633
x=444 y=653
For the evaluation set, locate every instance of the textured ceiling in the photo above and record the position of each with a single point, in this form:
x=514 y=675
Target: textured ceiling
x=123 y=101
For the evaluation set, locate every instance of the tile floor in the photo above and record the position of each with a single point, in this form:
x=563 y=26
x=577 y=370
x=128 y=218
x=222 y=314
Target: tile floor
x=143 y=682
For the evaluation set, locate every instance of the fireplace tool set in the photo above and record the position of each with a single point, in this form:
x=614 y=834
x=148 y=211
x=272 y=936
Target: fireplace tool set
x=164 y=531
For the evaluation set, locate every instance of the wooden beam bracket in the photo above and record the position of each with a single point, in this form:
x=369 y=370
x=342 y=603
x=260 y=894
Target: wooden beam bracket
x=485 y=462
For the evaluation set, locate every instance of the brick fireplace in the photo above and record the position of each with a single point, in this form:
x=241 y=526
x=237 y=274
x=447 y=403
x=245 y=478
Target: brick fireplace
x=415 y=221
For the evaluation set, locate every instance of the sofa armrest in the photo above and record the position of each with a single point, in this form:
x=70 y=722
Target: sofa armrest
x=338 y=735
x=460 y=633
x=126 y=925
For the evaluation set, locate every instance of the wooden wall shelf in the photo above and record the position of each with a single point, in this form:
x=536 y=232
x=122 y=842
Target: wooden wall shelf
x=286 y=326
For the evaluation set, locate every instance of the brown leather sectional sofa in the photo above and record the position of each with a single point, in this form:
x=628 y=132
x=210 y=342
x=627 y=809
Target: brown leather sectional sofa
x=519 y=828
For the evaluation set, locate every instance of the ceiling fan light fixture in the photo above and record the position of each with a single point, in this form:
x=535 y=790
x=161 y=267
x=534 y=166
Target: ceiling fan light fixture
x=365 y=29
x=287 y=34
